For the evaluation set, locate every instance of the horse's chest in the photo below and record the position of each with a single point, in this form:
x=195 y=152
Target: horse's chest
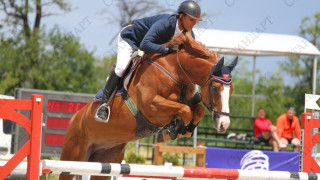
x=144 y=128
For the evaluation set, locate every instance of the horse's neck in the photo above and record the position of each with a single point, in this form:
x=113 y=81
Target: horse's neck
x=197 y=69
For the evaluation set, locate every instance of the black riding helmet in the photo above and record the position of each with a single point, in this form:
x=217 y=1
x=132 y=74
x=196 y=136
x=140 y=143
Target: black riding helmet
x=191 y=8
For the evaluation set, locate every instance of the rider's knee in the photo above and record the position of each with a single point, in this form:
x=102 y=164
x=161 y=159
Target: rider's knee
x=119 y=71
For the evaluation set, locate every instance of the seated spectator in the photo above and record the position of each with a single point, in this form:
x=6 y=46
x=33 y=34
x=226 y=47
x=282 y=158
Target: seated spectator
x=286 y=124
x=266 y=132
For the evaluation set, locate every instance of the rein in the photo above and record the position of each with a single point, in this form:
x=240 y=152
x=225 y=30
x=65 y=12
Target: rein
x=180 y=66
x=184 y=87
x=166 y=72
x=210 y=79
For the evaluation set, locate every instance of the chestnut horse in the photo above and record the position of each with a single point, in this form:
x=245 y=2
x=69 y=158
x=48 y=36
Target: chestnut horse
x=156 y=94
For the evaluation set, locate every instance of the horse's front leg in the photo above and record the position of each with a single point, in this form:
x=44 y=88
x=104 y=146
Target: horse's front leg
x=165 y=107
x=198 y=113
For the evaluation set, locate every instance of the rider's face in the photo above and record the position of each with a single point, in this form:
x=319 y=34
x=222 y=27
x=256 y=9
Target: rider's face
x=261 y=113
x=188 y=22
x=290 y=113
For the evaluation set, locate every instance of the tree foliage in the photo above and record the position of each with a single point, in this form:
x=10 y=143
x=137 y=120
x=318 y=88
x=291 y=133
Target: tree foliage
x=132 y=157
x=18 y=14
x=61 y=63
x=128 y=12
x=33 y=57
x=301 y=67
x=270 y=94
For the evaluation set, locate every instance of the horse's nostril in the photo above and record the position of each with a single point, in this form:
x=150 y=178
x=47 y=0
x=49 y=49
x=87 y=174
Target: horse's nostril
x=221 y=127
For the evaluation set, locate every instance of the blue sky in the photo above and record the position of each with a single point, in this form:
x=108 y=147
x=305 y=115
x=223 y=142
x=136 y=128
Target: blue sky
x=87 y=22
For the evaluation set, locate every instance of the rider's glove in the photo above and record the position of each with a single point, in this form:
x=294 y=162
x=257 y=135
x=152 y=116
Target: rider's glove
x=171 y=48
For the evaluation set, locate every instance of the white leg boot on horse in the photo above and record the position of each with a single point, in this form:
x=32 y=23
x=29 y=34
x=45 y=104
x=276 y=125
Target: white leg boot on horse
x=103 y=113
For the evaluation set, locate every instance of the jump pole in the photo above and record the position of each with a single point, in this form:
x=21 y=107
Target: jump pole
x=32 y=150
x=166 y=172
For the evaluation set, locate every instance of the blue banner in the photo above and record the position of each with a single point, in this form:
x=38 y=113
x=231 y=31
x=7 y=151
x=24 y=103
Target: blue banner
x=252 y=159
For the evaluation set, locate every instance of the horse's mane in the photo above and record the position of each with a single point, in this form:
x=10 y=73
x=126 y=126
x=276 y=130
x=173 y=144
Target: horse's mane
x=193 y=47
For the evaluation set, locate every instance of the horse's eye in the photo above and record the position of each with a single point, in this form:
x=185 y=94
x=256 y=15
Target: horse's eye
x=215 y=88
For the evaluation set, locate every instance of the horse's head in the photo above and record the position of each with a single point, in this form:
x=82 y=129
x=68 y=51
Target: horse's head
x=216 y=92
x=218 y=87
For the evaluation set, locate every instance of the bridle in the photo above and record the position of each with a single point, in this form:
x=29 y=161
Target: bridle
x=210 y=107
x=184 y=87
x=210 y=98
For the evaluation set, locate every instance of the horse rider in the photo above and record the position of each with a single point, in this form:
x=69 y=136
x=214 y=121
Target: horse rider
x=147 y=34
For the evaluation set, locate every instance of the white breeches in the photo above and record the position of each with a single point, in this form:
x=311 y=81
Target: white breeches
x=123 y=56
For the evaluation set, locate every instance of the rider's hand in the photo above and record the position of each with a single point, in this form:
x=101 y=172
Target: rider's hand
x=171 y=48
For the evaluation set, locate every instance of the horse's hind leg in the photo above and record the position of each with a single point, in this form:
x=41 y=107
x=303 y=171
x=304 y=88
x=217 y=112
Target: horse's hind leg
x=74 y=149
x=112 y=155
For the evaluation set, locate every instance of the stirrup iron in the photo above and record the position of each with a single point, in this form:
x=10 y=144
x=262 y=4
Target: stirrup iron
x=108 y=111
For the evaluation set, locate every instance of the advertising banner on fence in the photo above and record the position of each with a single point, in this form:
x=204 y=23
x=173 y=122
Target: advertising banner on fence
x=248 y=159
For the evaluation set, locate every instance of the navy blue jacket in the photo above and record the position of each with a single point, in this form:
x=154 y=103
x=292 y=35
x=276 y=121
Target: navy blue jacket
x=148 y=34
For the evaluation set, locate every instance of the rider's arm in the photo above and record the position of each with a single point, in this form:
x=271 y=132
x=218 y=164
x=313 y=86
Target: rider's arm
x=156 y=32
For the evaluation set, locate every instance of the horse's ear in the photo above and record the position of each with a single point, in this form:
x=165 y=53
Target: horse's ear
x=233 y=64
x=217 y=67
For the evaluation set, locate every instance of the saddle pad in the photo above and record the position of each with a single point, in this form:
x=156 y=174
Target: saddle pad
x=98 y=97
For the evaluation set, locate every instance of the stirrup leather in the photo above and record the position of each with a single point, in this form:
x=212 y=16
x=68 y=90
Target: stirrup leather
x=97 y=118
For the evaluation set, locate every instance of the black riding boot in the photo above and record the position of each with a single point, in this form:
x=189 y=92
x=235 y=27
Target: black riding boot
x=112 y=82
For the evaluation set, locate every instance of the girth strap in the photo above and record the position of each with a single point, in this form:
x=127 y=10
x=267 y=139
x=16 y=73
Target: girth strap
x=130 y=104
x=144 y=127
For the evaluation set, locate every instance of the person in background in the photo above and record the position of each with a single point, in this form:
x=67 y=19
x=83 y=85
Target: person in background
x=266 y=132
x=286 y=124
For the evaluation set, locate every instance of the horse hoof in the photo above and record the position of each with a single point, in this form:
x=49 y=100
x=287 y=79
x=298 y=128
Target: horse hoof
x=173 y=134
